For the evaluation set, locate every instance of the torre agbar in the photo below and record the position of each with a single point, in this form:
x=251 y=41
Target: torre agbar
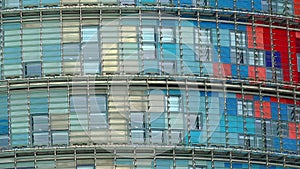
x=149 y=84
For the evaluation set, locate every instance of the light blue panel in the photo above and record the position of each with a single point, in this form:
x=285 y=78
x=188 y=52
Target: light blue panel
x=195 y=137
x=169 y=51
x=250 y=125
x=218 y=138
x=225 y=54
x=207 y=69
x=31 y=3
x=151 y=66
x=274 y=110
x=164 y=163
x=215 y=55
x=19 y=139
x=3 y=115
x=175 y=92
x=169 y=23
x=191 y=67
x=283 y=112
x=158 y=122
x=188 y=53
x=50 y=2
x=148 y=1
x=231 y=95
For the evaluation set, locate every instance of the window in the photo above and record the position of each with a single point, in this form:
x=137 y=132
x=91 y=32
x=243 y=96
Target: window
x=33 y=69
x=195 y=121
x=277 y=74
x=173 y=103
x=148 y=43
x=202 y=40
x=90 y=49
x=11 y=3
x=40 y=127
x=137 y=122
x=238 y=47
x=294 y=113
x=245 y=108
x=167 y=35
x=256 y=58
x=60 y=137
x=168 y=67
x=98 y=112
x=298 y=61
x=246 y=140
x=127 y=2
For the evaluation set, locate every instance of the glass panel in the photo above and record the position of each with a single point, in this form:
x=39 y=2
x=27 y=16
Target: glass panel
x=167 y=35
x=174 y=103
x=33 y=69
x=89 y=34
x=40 y=138
x=40 y=123
x=60 y=138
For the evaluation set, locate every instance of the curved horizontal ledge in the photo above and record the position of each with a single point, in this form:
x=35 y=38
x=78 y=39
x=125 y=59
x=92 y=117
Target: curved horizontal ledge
x=208 y=10
x=157 y=152
x=200 y=14
x=164 y=82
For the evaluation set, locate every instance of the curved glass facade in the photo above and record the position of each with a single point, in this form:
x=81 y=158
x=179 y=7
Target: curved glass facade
x=189 y=84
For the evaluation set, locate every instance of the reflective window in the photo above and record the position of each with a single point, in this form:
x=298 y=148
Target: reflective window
x=256 y=58
x=294 y=113
x=202 y=40
x=245 y=108
x=238 y=52
x=11 y=3
x=195 y=121
x=98 y=112
x=167 y=35
x=85 y=167
x=40 y=127
x=168 y=67
x=60 y=138
x=173 y=103
x=33 y=69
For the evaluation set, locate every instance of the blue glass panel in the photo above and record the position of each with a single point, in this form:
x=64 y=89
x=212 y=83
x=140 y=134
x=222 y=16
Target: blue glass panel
x=225 y=4
x=283 y=112
x=50 y=2
x=266 y=98
x=207 y=25
x=276 y=143
x=226 y=25
x=289 y=144
x=233 y=70
x=231 y=106
x=268 y=59
x=257 y=4
x=31 y=3
x=274 y=110
x=277 y=60
x=244 y=71
x=225 y=54
x=243 y=4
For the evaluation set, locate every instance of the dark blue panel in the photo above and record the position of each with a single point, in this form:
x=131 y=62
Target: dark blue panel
x=276 y=143
x=256 y=98
x=283 y=112
x=277 y=60
x=243 y=4
x=225 y=4
x=266 y=98
x=207 y=24
x=237 y=165
x=257 y=4
x=244 y=71
x=231 y=106
x=233 y=70
x=225 y=54
x=274 y=111
x=268 y=59
x=242 y=27
x=289 y=144
x=227 y=165
x=226 y=25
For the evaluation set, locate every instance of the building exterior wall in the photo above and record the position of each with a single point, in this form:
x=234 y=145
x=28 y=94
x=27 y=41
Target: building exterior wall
x=124 y=84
